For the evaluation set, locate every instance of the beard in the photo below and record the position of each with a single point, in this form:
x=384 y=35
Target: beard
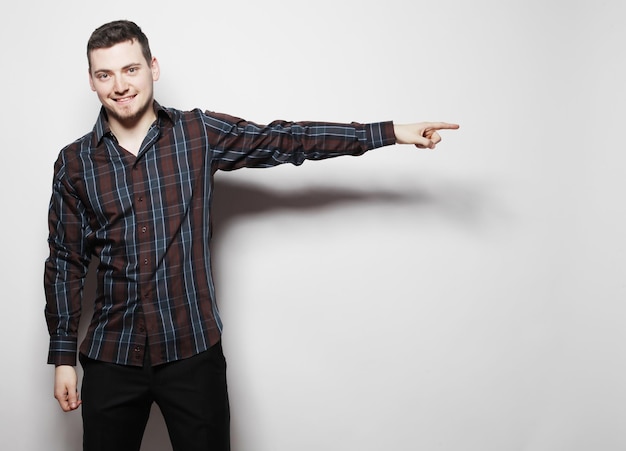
x=129 y=116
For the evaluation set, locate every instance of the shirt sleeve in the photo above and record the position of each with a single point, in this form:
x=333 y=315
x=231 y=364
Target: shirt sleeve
x=237 y=143
x=65 y=268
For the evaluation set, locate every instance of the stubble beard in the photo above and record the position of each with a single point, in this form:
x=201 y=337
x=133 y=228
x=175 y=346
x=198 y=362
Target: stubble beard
x=128 y=117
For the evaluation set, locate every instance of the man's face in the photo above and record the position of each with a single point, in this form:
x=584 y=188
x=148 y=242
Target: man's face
x=123 y=81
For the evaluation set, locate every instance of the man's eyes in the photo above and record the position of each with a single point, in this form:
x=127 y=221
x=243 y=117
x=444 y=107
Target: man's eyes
x=130 y=70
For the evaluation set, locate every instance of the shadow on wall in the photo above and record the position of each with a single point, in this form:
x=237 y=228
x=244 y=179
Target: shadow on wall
x=234 y=200
x=464 y=203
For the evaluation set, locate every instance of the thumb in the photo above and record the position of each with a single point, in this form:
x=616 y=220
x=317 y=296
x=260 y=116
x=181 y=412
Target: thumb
x=73 y=398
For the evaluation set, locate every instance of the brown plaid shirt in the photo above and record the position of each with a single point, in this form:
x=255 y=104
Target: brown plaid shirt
x=147 y=218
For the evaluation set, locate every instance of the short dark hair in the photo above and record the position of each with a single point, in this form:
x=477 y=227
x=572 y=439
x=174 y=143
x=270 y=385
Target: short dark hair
x=112 y=33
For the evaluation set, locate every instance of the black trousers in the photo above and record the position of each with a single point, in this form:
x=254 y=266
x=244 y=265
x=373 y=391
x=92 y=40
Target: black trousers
x=191 y=394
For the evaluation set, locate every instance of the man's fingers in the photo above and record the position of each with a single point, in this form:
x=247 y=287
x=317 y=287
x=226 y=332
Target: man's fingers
x=434 y=137
x=431 y=132
x=68 y=400
x=62 y=397
x=73 y=400
x=65 y=388
x=441 y=126
x=423 y=134
x=422 y=142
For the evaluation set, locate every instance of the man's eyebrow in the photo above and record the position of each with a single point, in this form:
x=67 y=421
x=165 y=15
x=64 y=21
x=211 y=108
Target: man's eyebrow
x=128 y=66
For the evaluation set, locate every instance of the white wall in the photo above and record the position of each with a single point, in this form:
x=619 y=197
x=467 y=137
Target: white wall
x=470 y=298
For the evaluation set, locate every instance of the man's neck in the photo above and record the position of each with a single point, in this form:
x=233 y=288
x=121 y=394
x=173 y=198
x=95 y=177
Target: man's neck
x=130 y=134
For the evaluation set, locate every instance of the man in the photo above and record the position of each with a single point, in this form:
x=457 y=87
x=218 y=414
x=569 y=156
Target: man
x=136 y=192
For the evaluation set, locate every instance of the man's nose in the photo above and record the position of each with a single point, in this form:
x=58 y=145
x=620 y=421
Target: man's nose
x=120 y=84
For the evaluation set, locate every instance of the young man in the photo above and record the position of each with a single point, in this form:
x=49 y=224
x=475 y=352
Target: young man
x=136 y=192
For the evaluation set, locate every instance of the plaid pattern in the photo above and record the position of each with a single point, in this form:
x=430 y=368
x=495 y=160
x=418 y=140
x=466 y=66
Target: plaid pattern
x=148 y=217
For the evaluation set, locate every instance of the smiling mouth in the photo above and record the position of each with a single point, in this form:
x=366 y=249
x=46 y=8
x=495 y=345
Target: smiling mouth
x=123 y=100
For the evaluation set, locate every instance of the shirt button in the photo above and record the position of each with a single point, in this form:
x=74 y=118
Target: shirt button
x=143 y=229
x=137 y=349
x=140 y=198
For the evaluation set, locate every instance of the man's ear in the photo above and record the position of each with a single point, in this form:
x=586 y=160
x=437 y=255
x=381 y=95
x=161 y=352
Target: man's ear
x=156 y=70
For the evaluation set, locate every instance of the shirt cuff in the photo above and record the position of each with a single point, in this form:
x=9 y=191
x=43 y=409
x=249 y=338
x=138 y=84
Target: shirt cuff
x=62 y=350
x=380 y=134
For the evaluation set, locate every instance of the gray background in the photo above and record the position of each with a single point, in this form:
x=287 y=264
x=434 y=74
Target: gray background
x=470 y=298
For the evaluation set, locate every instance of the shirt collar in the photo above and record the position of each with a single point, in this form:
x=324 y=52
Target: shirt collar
x=102 y=128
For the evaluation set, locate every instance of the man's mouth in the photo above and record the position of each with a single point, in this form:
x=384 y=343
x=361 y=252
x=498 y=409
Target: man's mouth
x=123 y=100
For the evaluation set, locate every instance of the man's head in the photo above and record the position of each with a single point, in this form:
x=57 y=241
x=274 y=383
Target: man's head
x=112 y=33
x=122 y=72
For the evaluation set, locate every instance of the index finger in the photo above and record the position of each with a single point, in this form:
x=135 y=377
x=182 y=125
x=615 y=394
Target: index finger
x=441 y=125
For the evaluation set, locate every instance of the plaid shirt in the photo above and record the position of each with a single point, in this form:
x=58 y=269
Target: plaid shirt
x=147 y=218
